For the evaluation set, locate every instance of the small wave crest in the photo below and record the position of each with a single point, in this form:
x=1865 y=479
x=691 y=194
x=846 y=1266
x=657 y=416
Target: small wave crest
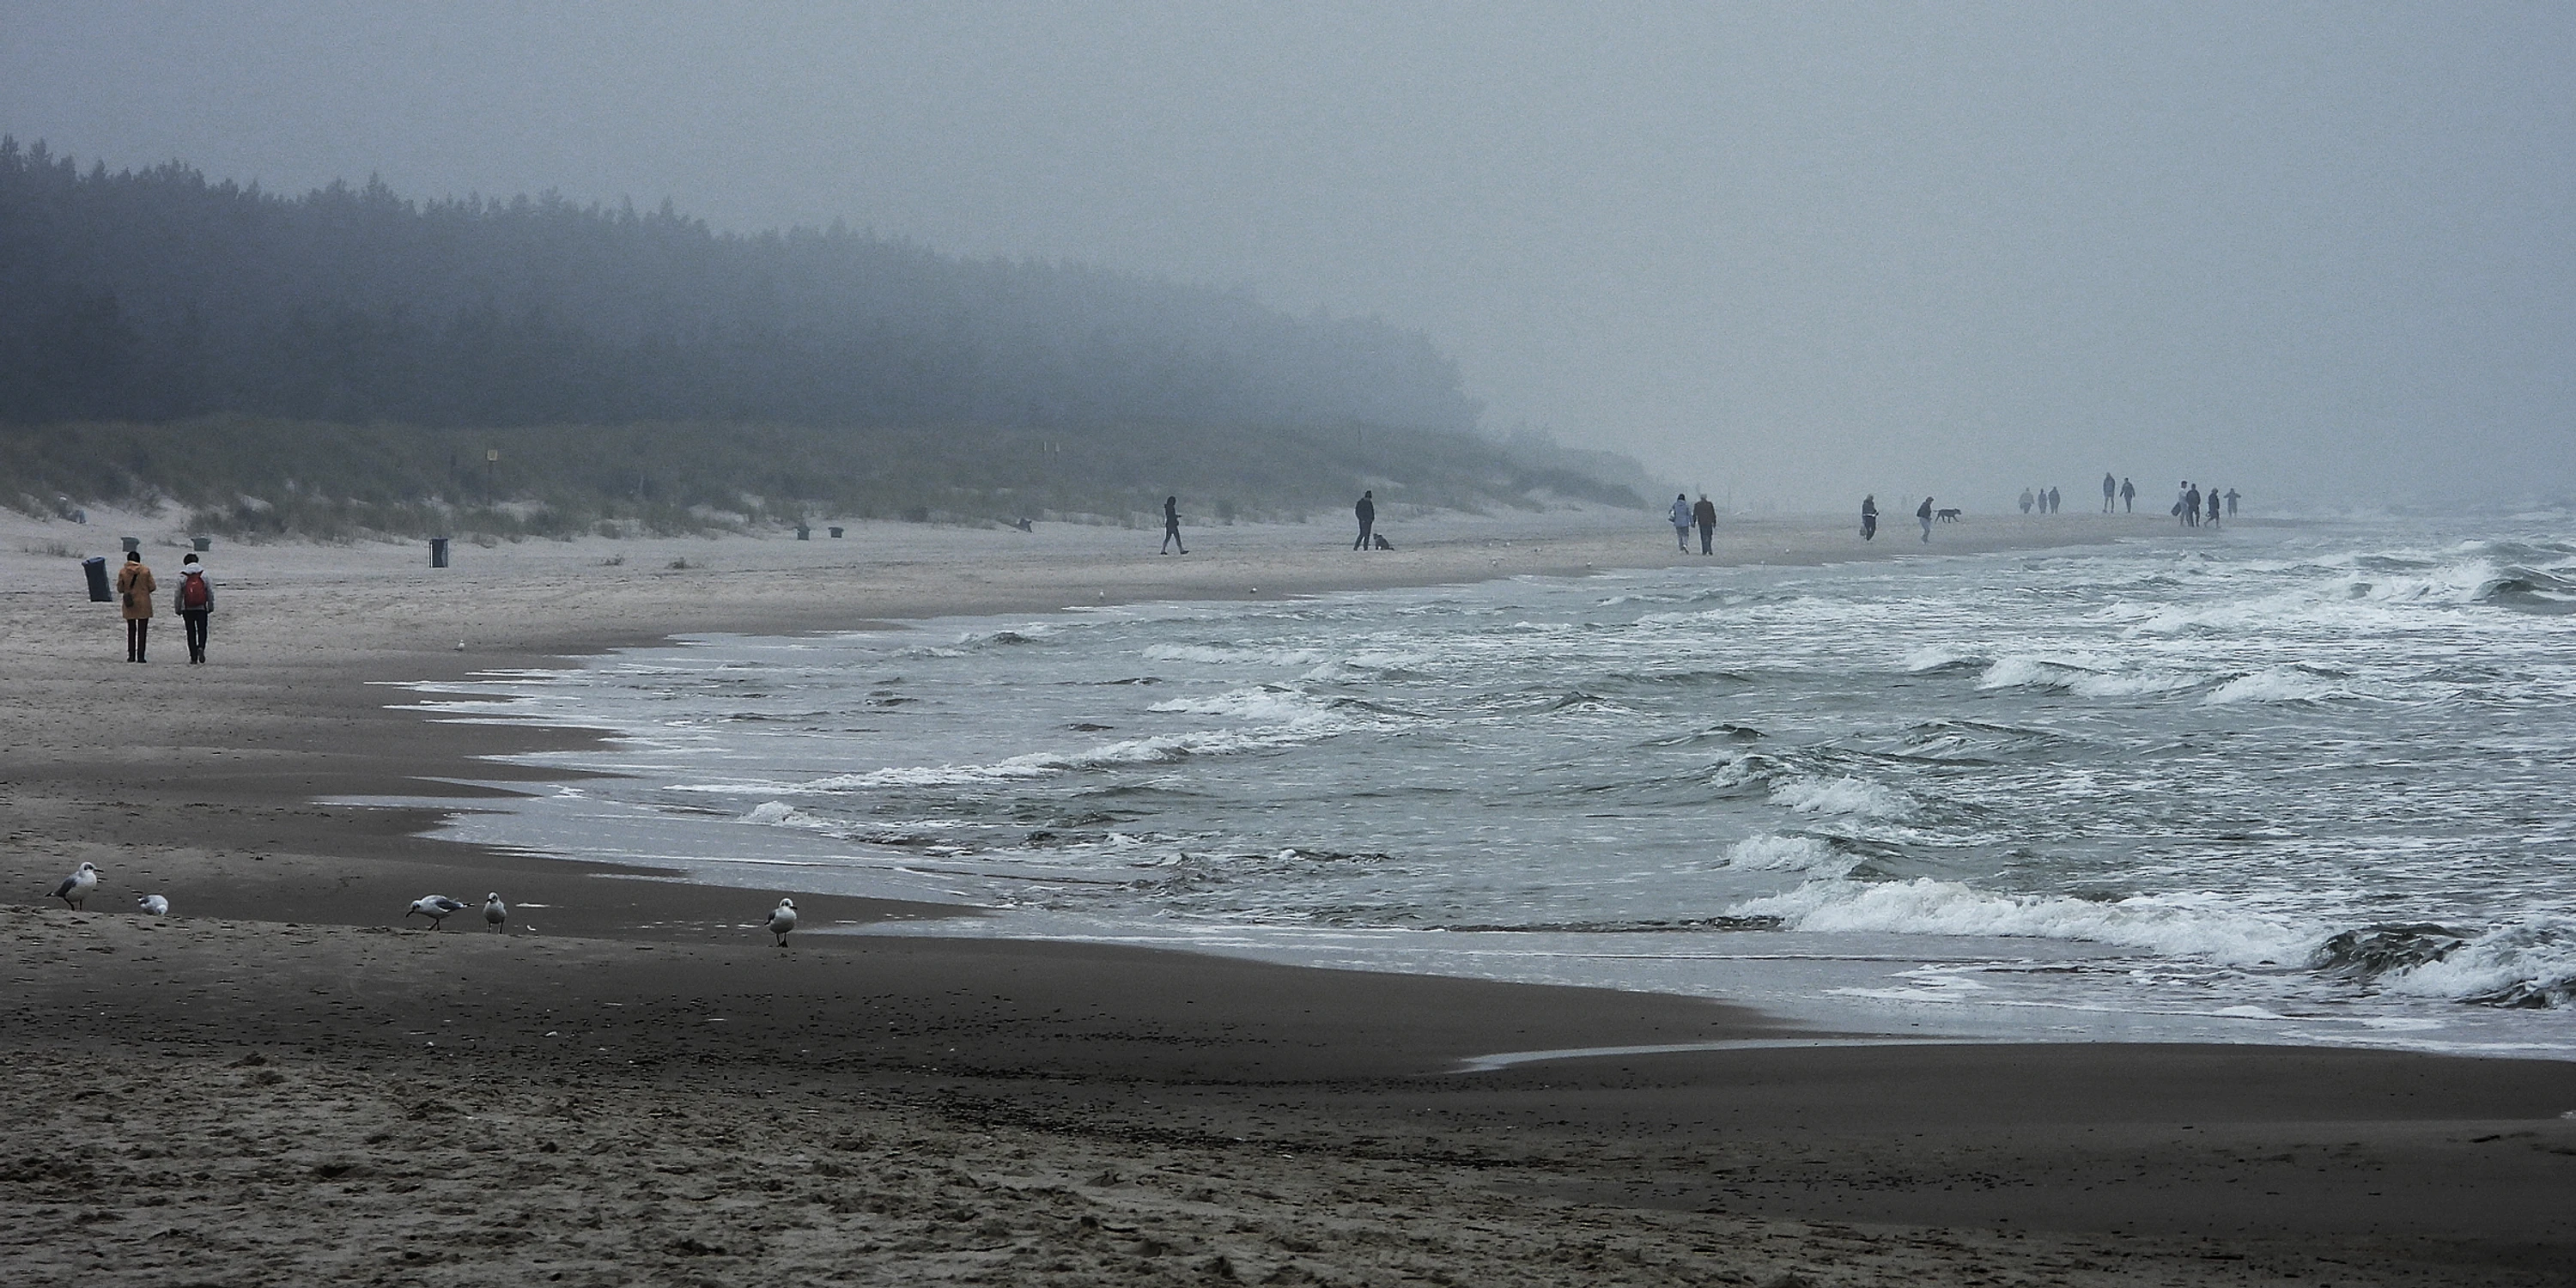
x=2199 y=926
x=1853 y=797
x=2528 y=964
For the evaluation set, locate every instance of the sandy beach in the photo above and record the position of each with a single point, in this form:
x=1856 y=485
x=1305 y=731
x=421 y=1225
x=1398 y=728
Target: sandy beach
x=284 y=1083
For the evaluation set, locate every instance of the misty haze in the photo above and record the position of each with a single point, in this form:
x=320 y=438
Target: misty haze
x=1134 y=643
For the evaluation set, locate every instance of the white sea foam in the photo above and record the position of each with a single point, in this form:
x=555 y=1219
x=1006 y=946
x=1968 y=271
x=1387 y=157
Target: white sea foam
x=2538 y=956
x=782 y=814
x=1858 y=798
x=1771 y=852
x=2274 y=684
x=2198 y=925
x=1215 y=655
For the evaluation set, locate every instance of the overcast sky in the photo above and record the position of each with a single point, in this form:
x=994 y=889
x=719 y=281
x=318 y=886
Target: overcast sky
x=1795 y=252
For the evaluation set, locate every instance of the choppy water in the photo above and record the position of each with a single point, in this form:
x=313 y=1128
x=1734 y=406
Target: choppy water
x=2308 y=785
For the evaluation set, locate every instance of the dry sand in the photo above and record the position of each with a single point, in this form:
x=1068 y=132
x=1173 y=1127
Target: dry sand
x=278 y=1086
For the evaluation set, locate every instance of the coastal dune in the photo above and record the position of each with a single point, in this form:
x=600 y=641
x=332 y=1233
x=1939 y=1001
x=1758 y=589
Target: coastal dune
x=280 y=1083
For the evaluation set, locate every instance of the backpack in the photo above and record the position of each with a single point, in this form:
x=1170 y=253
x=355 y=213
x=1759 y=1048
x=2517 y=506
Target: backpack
x=194 y=593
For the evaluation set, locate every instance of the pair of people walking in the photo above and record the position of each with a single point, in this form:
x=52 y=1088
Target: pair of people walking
x=1702 y=516
x=193 y=599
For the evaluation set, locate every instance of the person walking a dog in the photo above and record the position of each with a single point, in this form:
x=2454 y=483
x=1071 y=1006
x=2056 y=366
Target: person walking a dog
x=1923 y=515
x=1366 y=511
x=1705 y=515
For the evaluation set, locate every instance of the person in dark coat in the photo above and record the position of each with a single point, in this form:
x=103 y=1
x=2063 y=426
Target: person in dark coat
x=1869 y=517
x=195 y=600
x=1172 y=525
x=1366 y=510
x=2110 y=491
x=134 y=587
x=1923 y=515
x=1705 y=515
x=2128 y=496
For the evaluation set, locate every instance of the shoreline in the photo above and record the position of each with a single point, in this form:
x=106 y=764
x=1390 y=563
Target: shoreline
x=1042 y=1068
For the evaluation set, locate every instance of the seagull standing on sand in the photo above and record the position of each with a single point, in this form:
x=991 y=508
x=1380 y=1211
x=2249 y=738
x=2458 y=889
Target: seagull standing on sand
x=496 y=914
x=77 y=886
x=436 y=907
x=153 y=905
x=781 y=920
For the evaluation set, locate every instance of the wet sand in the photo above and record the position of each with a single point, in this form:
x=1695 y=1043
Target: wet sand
x=280 y=1084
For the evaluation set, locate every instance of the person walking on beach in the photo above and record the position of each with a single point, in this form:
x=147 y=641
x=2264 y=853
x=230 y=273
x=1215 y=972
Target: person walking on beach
x=2191 y=505
x=1923 y=515
x=2129 y=496
x=1705 y=515
x=2056 y=501
x=1366 y=510
x=134 y=585
x=1172 y=525
x=2110 y=491
x=1681 y=517
x=2231 y=503
x=2213 y=507
x=1869 y=517
x=2027 y=500
x=195 y=600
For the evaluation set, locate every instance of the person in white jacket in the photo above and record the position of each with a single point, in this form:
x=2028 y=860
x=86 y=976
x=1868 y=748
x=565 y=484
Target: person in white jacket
x=1681 y=521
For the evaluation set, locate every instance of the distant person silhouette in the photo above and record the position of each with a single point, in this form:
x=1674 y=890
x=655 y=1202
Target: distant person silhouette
x=2129 y=496
x=2213 y=507
x=2231 y=503
x=1366 y=511
x=2054 y=501
x=2028 y=499
x=1681 y=517
x=1705 y=515
x=2110 y=492
x=2190 y=504
x=1923 y=515
x=1172 y=525
x=1869 y=517
x=135 y=585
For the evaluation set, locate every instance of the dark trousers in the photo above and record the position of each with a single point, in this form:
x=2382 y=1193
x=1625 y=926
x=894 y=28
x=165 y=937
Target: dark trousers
x=1707 y=534
x=138 y=634
x=195 y=622
x=1362 y=543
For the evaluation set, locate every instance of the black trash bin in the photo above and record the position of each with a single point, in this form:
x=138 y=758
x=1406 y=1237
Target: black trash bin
x=836 y=533
x=438 y=552
x=804 y=533
x=95 y=567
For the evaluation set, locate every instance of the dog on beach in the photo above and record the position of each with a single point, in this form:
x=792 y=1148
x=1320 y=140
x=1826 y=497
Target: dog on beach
x=1382 y=542
x=1945 y=516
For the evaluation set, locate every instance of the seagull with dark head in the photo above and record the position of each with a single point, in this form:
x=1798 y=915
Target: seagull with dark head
x=76 y=887
x=436 y=907
x=781 y=920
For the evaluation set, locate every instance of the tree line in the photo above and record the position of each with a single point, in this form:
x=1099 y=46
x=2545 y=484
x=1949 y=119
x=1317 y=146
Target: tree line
x=155 y=295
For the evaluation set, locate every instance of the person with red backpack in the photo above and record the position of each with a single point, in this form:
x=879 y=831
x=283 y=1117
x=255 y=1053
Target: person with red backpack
x=195 y=600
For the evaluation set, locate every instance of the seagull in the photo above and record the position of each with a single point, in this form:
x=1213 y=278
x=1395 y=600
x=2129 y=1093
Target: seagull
x=496 y=914
x=436 y=907
x=781 y=920
x=153 y=905
x=77 y=886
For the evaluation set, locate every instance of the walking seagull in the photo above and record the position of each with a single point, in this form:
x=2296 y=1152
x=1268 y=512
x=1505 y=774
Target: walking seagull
x=436 y=907
x=153 y=905
x=496 y=914
x=77 y=886
x=781 y=920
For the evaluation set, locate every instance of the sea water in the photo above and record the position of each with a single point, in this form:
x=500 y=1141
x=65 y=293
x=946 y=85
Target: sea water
x=2287 y=784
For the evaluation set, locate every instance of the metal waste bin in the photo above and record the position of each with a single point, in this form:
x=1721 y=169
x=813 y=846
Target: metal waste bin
x=132 y=544
x=95 y=568
x=203 y=544
x=804 y=533
x=438 y=552
x=836 y=534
